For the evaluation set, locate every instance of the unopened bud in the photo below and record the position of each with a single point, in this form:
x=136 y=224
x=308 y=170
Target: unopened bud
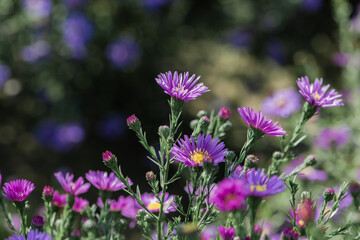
x=289 y=234
x=225 y=127
x=224 y=113
x=305 y=195
x=310 y=160
x=306 y=210
x=150 y=175
x=230 y=155
x=329 y=194
x=133 y=123
x=48 y=193
x=354 y=188
x=109 y=159
x=201 y=114
x=203 y=123
x=251 y=161
x=164 y=131
x=276 y=155
x=193 y=124
x=38 y=221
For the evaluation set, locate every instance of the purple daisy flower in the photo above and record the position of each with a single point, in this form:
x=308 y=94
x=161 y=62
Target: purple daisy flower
x=59 y=200
x=5 y=74
x=125 y=205
x=37 y=8
x=227 y=233
x=36 y=51
x=193 y=154
x=79 y=204
x=316 y=94
x=123 y=53
x=256 y=181
x=330 y=137
x=181 y=86
x=102 y=181
x=282 y=103
x=31 y=235
x=229 y=195
x=258 y=121
x=152 y=202
x=18 y=190
x=73 y=188
x=309 y=173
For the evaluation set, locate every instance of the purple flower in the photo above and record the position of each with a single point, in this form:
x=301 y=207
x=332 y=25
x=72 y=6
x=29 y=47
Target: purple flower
x=340 y=59
x=333 y=137
x=227 y=233
x=107 y=156
x=239 y=38
x=193 y=154
x=36 y=51
x=256 y=181
x=18 y=190
x=289 y=233
x=59 y=200
x=224 y=113
x=311 y=5
x=258 y=121
x=229 y=195
x=123 y=53
x=316 y=94
x=31 y=235
x=73 y=188
x=308 y=173
x=75 y=3
x=4 y=74
x=125 y=205
x=209 y=232
x=282 y=103
x=37 y=8
x=153 y=5
x=355 y=21
x=180 y=86
x=38 y=221
x=77 y=32
x=79 y=204
x=112 y=126
x=276 y=50
x=152 y=202
x=132 y=119
x=48 y=191
x=102 y=181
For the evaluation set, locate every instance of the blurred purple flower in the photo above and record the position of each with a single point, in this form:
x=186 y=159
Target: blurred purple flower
x=154 y=5
x=77 y=32
x=282 y=103
x=333 y=137
x=59 y=200
x=123 y=53
x=4 y=74
x=276 y=50
x=33 y=234
x=75 y=3
x=112 y=126
x=73 y=188
x=227 y=233
x=239 y=38
x=309 y=173
x=311 y=5
x=340 y=59
x=79 y=204
x=37 y=8
x=355 y=21
x=36 y=51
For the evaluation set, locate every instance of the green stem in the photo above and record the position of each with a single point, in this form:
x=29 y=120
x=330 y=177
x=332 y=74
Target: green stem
x=6 y=215
x=253 y=203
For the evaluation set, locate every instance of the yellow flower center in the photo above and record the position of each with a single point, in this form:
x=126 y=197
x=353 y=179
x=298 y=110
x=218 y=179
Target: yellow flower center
x=154 y=206
x=281 y=103
x=301 y=223
x=317 y=96
x=258 y=188
x=198 y=156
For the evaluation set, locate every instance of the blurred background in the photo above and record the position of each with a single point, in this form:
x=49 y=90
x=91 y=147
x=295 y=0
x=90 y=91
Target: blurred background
x=72 y=71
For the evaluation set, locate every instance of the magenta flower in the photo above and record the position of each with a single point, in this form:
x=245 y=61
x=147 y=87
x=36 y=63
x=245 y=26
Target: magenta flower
x=73 y=188
x=18 y=190
x=152 y=202
x=48 y=191
x=38 y=221
x=316 y=95
x=256 y=181
x=289 y=233
x=193 y=154
x=79 y=204
x=59 y=200
x=131 y=119
x=107 y=156
x=102 y=181
x=126 y=205
x=227 y=233
x=180 y=86
x=330 y=137
x=282 y=103
x=224 y=113
x=229 y=195
x=258 y=121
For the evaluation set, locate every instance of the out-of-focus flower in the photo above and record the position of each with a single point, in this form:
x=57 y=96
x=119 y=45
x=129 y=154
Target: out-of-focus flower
x=256 y=181
x=48 y=191
x=355 y=21
x=260 y=122
x=276 y=50
x=36 y=51
x=290 y=234
x=152 y=202
x=153 y=5
x=229 y=195
x=305 y=211
x=340 y=59
x=38 y=221
x=227 y=233
x=125 y=205
x=311 y=5
x=333 y=137
x=31 y=235
x=193 y=154
x=316 y=94
x=239 y=38
x=308 y=173
x=18 y=190
x=282 y=103
x=76 y=233
x=209 y=232
x=112 y=126
x=102 y=181
x=224 y=113
x=181 y=86
x=75 y=3
x=59 y=200
x=4 y=74
x=123 y=53
x=73 y=188
x=79 y=204
x=37 y=8
x=77 y=32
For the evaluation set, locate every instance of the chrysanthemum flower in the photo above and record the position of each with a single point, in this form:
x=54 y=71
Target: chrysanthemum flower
x=282 y=103
x=79 y=204
x=229 y=195
x=193 y=154
x=18 y=190
x=31 y=235
x=258 y=121
x=258 y=184
x=102 y=181
x=152 y=202
x=316 y=94
x=73 y=188
x=59 y=200
x=180 y=86
x=125 y=205
x=333 y=137
x=227 y=233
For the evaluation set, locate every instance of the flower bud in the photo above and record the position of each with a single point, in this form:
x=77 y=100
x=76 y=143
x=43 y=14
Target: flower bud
x=164 y=131
x=48 y=193
x=193 y=124
x=329 y=194
x=276 y=155
x=310 y=160
x=201 y=114
x=224 y=113
x=133 y=123
x=109 y=159
x=251 y=161
x=354 y=188
x=289 y=234
x=37 y=221
x=225 y=127
x=305 y=210
x=150 y=175
x=203 y=123
x=230 y=155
